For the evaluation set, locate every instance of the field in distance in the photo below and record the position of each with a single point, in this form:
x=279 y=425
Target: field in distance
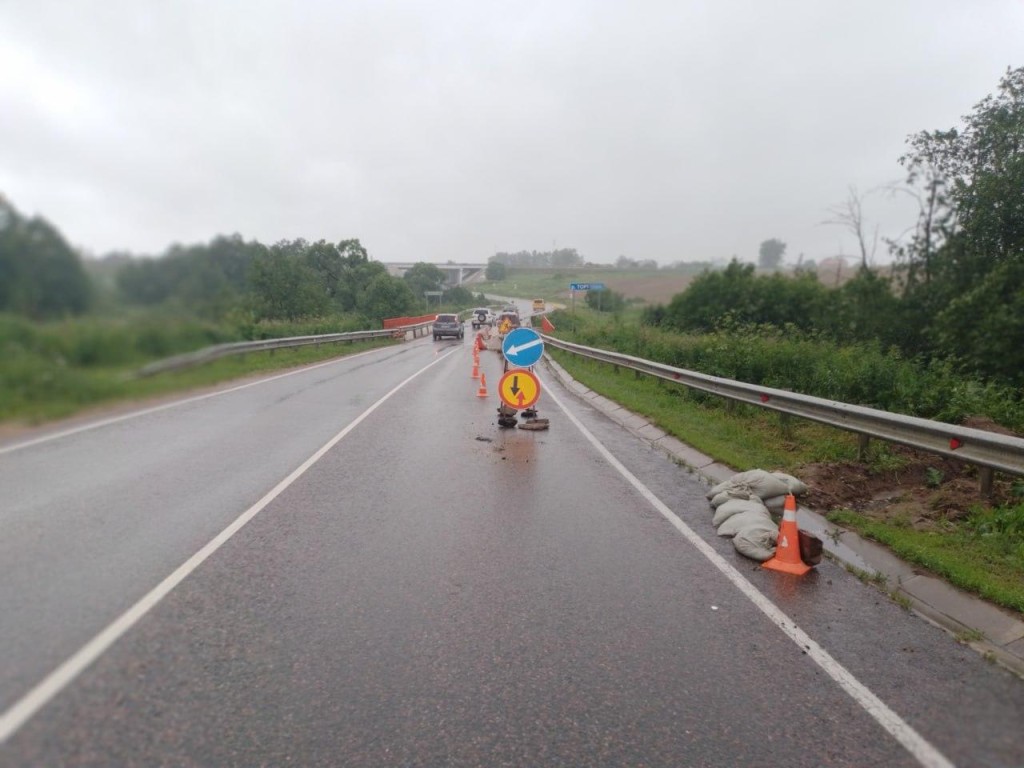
x=649 y=286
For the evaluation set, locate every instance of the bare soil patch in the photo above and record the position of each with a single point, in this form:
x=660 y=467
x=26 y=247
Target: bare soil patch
x=920 y=489
x=653 y=290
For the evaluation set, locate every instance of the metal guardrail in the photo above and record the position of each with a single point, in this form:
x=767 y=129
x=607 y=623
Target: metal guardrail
x=217 y=351
x=989 y=450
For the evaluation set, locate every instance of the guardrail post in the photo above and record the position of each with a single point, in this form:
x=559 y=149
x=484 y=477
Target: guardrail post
x=986 y=475
x=863 y=441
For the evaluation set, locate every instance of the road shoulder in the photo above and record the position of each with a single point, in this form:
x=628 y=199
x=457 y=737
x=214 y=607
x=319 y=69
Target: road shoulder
x=993 y=632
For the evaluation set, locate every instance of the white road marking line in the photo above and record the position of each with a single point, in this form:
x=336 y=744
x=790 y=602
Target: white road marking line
x=44 y=691
x=175 y=404
x=926 y=754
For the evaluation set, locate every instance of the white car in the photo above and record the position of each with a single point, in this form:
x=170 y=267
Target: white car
x=481 y=316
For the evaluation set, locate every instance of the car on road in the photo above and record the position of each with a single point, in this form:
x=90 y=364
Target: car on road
x=506 y=322
x=481 y=316
x=447 y=325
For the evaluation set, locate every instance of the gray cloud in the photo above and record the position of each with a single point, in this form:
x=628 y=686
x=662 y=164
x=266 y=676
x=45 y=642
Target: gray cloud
x=665 y=130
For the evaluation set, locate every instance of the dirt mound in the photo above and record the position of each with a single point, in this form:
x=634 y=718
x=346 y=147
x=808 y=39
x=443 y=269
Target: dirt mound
x=918 y=488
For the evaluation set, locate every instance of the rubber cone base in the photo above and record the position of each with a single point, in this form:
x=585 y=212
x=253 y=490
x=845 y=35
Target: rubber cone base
x=797 y=569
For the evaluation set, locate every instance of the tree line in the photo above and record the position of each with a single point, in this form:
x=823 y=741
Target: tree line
x=42 y=277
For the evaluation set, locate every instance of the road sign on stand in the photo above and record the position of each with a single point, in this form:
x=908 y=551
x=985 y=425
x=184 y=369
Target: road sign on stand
x=522 y=347
x=519 y=388
x=586 y=286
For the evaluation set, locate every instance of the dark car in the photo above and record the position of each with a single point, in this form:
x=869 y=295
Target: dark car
x=447 y=325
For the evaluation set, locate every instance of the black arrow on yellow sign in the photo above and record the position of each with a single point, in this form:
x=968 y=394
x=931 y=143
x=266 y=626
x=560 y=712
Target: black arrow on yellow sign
x=519 y=388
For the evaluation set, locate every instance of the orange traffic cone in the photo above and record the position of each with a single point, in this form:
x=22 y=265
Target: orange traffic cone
x=787 y=548
x=482 y=392
x=476 y=368
x=480 y=346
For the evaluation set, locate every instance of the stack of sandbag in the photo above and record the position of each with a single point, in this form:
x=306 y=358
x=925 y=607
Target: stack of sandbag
x=742 y=507
x=771 y=487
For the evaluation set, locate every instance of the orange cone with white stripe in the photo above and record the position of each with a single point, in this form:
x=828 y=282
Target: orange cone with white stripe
x=482 y=392
x=787 y=548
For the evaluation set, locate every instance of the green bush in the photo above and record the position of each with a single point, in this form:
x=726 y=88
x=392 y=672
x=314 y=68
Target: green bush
x=52 y=369
x=862 y=373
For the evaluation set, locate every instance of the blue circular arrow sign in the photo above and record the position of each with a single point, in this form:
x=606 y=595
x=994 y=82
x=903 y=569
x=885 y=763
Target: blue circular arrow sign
x=522 y=347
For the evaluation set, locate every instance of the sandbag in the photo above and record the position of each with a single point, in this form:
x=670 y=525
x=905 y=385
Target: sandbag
x=795 y=486
x=757 y=541
x=739 y=492
x=736 y=507
x=760 y=482
x=775 y=504
x=737 y=523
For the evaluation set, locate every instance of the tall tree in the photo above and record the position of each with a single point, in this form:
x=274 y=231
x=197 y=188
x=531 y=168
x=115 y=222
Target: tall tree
x=769 y=255
x=41 y=276
x=850 y=215
x=975 y=262
x=284 y=287
x=496 y=269
x=386 y=296
x=422 y=277
x=344 y=270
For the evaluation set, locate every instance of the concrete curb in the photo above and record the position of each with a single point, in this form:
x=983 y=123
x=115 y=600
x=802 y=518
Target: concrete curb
x=993 y=632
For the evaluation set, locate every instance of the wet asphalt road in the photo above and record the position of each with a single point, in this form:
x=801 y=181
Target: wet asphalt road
x=435 y=591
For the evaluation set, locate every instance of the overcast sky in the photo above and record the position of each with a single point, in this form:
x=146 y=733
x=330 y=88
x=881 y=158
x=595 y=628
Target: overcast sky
x=671 y=130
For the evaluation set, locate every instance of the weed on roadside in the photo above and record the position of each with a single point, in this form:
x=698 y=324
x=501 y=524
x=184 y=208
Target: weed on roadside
x=901 y=600
x=968 y=636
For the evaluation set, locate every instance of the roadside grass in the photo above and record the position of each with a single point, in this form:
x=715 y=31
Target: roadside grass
x=983 y=555
x=990 y=565
x=47 y=392
x=738 y=435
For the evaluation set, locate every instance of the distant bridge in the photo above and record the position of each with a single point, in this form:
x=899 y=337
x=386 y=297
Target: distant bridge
x=455 y=274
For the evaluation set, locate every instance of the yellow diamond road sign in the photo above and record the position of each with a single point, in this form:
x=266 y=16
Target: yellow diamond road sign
x=519 y=388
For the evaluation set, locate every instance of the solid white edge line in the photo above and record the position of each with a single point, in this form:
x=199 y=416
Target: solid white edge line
x=28 y=705
x=156 y=408
x=923 y=751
